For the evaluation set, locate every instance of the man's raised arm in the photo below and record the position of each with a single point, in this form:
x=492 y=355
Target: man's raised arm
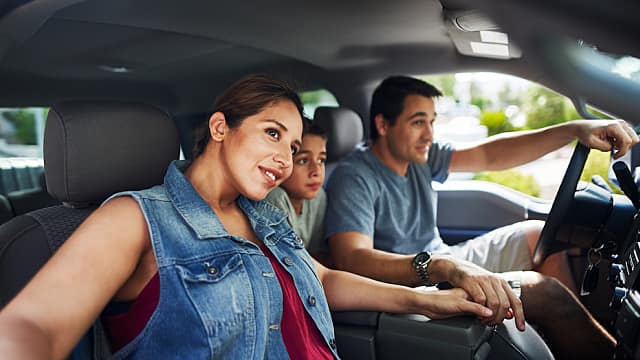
x=506 y=150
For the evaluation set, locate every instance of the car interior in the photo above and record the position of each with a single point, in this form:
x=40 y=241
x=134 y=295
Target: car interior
x=127 y=81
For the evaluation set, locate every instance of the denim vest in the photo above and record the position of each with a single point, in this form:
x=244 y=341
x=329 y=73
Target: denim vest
x=219 y=296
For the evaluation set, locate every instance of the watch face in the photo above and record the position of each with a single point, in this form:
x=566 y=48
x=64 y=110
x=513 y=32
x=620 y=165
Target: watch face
x=422 y=257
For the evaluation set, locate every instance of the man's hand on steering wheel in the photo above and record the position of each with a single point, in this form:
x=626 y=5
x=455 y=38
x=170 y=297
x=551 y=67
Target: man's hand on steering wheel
x=607 y=135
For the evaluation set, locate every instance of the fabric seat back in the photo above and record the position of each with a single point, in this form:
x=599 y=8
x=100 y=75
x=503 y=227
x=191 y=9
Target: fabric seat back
x=91 y=150
x=344 y=133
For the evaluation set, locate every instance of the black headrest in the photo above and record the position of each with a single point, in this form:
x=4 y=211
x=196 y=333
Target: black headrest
x=93 y=149
x=343 y=127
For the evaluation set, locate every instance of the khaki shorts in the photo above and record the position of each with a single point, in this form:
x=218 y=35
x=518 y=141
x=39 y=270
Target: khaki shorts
x=502 y=250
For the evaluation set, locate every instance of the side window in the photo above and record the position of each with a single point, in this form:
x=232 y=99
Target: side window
x=22 y=132
x=21 y=138
x=478 y=105
x=315 y=98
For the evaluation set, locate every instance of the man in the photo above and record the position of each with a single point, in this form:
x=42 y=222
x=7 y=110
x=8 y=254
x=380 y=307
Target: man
x=381 y=216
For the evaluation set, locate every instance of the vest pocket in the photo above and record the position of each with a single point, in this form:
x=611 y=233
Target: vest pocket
x=220 y=291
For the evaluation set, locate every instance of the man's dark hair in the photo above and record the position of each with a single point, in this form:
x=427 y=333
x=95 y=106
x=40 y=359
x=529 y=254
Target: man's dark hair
x=388 y=98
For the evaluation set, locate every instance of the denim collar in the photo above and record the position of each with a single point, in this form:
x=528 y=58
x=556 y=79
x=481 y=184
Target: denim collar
x=202 y=219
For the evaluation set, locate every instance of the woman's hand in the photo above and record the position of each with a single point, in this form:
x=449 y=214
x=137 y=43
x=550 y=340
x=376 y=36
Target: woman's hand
x=447 y=303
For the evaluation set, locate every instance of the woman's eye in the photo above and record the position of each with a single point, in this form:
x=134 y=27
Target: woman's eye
x=273 y=133
x=322 y=161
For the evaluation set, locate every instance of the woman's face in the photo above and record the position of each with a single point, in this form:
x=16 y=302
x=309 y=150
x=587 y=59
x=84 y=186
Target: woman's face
x=308 y=169
x=259 y=152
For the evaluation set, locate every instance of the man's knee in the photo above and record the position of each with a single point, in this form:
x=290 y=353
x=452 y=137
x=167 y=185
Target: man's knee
x=545 y=292
x=531 y=230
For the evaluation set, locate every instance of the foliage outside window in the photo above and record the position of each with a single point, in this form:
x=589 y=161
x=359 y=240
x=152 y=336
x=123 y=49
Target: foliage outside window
x=316 y=98
x=503 y=103
x=21 y=132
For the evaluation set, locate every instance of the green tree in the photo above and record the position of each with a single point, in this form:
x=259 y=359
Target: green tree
x=507 y=96
x=445 y=83
x=513 y=179
x=477 y=97
x=545 y=107
x=598 y=164
x=496 y=122
x=24 y=122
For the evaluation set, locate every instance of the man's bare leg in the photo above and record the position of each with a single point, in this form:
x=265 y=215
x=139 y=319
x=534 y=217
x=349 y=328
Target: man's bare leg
x=556 y=265
x=570 y=329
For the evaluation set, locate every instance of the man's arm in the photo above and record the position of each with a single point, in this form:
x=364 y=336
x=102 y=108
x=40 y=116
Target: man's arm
x=506 y=150
x=354 y=252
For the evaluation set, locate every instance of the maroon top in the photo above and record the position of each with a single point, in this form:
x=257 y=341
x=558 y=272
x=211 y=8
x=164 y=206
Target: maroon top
x=123 y=321
x=300 y=334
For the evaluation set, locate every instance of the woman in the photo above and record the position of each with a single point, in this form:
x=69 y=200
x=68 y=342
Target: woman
x=225 y=262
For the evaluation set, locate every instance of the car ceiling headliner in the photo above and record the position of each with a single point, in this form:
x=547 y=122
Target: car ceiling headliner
x=182 y=54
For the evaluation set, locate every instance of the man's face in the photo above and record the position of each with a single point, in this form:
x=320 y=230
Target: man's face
x=410 y=138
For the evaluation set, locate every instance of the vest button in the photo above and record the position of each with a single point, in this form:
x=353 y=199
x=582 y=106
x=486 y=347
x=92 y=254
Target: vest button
x=312 y=300
x=212 y=270
x=287 y=261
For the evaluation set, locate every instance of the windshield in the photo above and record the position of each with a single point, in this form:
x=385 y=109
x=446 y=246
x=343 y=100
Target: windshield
x=625 y=66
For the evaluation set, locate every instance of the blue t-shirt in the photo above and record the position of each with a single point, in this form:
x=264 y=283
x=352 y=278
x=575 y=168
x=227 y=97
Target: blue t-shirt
x=397 y=212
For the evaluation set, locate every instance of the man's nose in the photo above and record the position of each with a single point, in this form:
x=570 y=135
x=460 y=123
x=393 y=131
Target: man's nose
x=427 y=133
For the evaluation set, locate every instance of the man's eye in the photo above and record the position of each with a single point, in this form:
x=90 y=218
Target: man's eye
x=273 y=133
x=301 y=161
x=419 y=122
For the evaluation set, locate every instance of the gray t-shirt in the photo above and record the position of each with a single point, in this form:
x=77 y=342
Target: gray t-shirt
x=398 y=212
x=309 y=224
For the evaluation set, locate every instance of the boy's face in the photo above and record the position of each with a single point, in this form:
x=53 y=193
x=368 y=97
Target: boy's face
x=308 y=168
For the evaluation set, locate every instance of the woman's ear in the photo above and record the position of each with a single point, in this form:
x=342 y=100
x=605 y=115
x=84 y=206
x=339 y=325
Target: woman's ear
x=217 y=126
x=381 y=124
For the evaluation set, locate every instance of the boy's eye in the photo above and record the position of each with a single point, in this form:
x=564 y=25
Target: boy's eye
x=322 y=161
x=301 y=161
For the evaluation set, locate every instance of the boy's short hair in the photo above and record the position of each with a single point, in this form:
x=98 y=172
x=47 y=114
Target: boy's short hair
x=310 y=128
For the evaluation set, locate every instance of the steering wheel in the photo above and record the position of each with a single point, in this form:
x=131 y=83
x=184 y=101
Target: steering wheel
x=561 y=204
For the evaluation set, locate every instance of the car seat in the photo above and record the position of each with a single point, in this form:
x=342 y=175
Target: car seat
x=23 y=201
x=91 y=150
x=373 y=335
x=344 y=133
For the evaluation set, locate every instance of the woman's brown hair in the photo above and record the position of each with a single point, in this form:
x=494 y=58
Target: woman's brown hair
x=245 y=98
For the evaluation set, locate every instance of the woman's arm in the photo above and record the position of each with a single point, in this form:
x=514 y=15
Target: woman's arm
x=347 y=291
x=50 y=315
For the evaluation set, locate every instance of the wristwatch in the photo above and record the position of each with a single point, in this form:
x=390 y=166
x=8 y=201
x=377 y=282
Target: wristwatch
x=421 y=264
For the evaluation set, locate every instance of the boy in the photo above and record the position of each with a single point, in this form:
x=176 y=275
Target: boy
x=301 y=196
